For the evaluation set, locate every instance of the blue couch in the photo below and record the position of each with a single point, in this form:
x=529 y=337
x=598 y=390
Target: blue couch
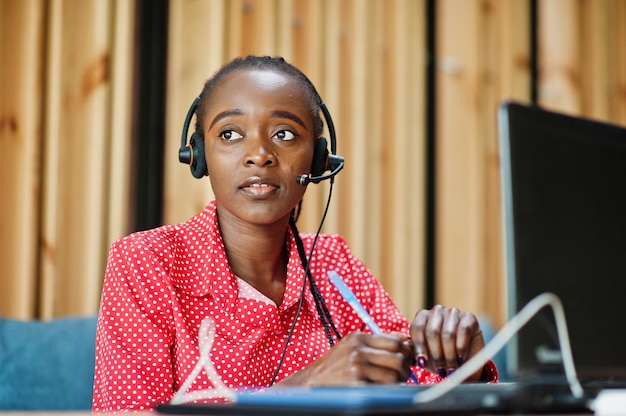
x=47 y=365
x=50 y=365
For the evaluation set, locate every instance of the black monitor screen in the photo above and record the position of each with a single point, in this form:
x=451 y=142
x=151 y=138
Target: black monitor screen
x=564 y=193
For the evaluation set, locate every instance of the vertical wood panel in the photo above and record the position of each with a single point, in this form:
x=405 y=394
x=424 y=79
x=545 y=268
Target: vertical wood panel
x=356 y=116
x=258 y=27
x=617 y=62
x=120 y=137
x=306 y=36
x=509 y=70
x=67 y=206
x=332 y=92
x=196 y=48
x=593 y=43
x=51 y=161
x=404 y=136
x=386 y=135
x=344 y=197
x=559 y=48
x=459 y=147
x=78 y=128
x=483 y=58
x=20 y=152
x=412 y=231
x=371 y=140
x=578 y=71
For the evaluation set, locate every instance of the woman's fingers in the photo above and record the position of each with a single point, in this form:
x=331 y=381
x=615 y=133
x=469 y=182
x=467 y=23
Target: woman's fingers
x=444 y=338
x=360 y=357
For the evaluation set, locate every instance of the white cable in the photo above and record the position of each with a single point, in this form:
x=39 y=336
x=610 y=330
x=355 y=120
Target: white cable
x=206 y=336
x=501 y=338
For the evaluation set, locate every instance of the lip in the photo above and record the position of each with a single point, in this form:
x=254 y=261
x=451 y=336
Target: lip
x=258 y=187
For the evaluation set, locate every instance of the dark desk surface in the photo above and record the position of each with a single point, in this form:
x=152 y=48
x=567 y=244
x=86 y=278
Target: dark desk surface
x=80 y=413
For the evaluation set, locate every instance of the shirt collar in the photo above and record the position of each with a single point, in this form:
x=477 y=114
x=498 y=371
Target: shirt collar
x=200 y=266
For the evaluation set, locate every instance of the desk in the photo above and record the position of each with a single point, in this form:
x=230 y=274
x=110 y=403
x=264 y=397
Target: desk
x=154 y=414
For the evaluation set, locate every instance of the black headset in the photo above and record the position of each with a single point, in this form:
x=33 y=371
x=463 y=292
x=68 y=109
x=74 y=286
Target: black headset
x=192 y=154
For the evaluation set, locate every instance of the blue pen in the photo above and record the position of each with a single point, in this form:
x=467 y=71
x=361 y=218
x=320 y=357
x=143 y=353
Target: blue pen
x=349 y=296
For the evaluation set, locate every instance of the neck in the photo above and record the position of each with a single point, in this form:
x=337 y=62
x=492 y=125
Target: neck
x=257 y=254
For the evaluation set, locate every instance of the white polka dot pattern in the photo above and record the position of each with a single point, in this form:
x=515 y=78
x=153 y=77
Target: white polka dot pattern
x=160 y=283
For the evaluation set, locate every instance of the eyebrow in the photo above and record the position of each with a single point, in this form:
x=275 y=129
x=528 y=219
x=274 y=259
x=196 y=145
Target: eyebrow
x=288 y=115
x=238 y=112
x=227 y=113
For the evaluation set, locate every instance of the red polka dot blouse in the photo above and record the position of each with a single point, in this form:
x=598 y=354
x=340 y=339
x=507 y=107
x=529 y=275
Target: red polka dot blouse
x=160 y=284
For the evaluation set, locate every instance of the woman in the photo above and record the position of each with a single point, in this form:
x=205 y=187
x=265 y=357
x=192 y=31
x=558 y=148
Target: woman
x=240 y=266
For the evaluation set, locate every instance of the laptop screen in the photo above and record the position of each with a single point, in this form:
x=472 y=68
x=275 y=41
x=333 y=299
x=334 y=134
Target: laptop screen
x=564 y=207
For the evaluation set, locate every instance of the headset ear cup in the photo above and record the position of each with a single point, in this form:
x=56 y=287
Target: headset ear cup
x=198 y=166
x=320 y=157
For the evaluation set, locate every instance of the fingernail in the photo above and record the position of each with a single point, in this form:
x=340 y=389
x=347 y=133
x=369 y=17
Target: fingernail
x=459 y=360
x=421 y=361
x=441 y=371
x=451 y=371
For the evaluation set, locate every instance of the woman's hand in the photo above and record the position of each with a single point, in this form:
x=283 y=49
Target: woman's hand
x=446 y=338
x=359 y=357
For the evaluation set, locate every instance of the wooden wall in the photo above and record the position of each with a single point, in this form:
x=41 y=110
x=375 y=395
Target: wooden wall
x=65 y=74
x=66 y=82
x=484 y=54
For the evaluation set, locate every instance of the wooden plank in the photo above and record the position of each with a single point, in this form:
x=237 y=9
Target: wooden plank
x=404 y=213
x=594 y=50
x=354 y=51
x=459 y=173
x=559 y=72
x=483 y=57
x=51 y=177
x=20 y=153
x=617 y=61
x=306 y=52
x=383 y=139
x=332 y=91
x=192 y=59
x=121 y=137
x=507 y=39
x=258 y=35
x=372 y=141
x=76 y=131
x=415 y=163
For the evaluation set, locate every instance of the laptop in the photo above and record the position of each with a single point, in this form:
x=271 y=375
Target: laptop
x=550 y=164
x=388 y=400
x=564 y=210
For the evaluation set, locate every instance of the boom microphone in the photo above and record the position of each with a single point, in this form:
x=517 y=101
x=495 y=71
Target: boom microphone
x=335 y=164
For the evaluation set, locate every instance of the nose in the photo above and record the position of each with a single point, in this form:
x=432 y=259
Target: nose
x=260 y=151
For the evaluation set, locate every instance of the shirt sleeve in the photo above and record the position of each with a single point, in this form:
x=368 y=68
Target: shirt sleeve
x=133 y=362
x=488 y=375
x=368 y=290
x=385 y=313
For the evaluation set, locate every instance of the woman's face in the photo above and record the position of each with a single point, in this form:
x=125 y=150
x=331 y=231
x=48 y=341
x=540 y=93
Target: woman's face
x=258 y=133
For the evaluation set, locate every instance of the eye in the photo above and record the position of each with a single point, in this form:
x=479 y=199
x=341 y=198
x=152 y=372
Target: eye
x=230 y=135
x=284 y=135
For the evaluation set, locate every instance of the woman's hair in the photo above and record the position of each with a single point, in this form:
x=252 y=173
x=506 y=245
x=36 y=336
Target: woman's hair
x=263 y=63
